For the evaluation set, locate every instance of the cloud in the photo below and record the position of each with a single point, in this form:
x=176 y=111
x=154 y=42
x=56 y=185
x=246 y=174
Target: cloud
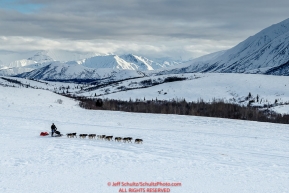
x=175 y=48
x=189 y=26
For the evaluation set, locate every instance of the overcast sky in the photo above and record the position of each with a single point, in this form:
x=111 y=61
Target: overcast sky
x=153 y=28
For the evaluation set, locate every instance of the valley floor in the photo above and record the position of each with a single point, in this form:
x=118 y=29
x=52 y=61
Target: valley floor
x=203 y=154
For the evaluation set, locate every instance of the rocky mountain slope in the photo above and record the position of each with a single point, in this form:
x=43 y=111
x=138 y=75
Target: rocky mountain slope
x=264 y=53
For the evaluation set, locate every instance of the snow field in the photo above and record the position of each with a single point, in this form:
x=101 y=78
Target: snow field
x=233 y=88
x=203 y=154
x=230 y=87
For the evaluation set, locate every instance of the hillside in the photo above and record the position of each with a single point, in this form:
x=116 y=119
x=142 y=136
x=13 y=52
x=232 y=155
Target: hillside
x=261 y=53
x=74 y=72
x=266 y=91
x=203 y=154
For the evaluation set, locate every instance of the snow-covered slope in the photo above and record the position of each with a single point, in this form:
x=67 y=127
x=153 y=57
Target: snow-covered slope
x=90 y=60
x=14 y=71
x=167 y=61
x=108 y=61
x=200 y=154
x=21 y=63
x=266 y=91
x=74 y=71
x=258 y=54
x=91 y=68
x=10 y=58
x=232 y=88
x=41 y=57
x=38 y=60
x=143 y=63
x=126 y=62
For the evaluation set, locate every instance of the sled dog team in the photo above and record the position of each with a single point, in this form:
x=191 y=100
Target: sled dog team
x=104 y=137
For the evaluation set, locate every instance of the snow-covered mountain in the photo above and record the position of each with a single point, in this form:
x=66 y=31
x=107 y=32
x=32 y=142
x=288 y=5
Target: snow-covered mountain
x=38 y=60
x=43 y=66
x=20 y=63
x=126 y=62
x=90 y=60
x=264 y=53
x=143 y=63
x=168 y=61
x=8 y=58
x=108 y=61
x=74 y=71
x=41 y=57
x=12 y=71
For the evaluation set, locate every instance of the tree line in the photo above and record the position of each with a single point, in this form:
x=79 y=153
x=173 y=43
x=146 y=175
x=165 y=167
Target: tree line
x=216 y=108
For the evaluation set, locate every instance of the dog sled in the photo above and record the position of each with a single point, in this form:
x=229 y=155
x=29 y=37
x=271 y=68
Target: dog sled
x=44 y=133
x=56 y=134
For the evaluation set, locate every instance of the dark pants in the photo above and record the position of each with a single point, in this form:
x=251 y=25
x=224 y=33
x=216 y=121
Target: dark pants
x=52 y=132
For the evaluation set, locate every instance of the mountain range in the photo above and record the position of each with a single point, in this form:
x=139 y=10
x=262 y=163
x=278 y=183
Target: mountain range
x=263 y=53
x=109 y=61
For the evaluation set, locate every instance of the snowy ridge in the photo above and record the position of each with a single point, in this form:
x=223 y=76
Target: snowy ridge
x=20 y=63
x=257 y=54
x=93 y=61
x=126 y=62
x=144 y=64
x=13 y=71
x=109 y=61
x=73 y=71
x=96 y=67
x=41 y=57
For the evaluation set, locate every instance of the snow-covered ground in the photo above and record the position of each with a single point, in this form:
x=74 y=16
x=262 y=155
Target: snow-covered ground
x=203 y=154
x=234 y=88
x=230 y=87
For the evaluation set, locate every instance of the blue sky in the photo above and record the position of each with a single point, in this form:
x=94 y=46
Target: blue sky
x=19 y=6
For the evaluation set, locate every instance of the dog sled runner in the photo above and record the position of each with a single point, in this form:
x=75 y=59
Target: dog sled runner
x=57 y=134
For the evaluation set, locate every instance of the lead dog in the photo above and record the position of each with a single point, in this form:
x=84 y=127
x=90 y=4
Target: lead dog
x=138 y=141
